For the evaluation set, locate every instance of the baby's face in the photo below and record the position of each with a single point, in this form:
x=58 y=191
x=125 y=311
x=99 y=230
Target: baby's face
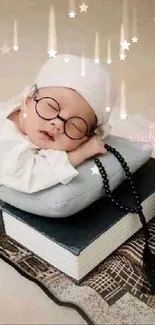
x=71 y=104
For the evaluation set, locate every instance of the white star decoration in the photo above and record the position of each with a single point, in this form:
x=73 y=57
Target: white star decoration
x=109 y=61
x=134 y=39
x=15 y=48
x=151 y=125
x=123 y=116
x=52 y=53
x=97 y=60
x=95 y=170
x=83 y=74
x=5 y=49
x=125 y=45
x=83 y=7
x=107 y=109
x=72 y=14
x=122 y=56
x=66 y=60
x=146 y=146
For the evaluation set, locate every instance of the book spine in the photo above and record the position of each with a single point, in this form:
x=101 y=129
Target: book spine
x=2 y=228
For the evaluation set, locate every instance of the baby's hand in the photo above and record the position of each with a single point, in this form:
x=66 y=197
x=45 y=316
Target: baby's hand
x=93 y=146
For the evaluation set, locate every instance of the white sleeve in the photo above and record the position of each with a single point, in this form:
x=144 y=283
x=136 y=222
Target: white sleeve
x=27 y=171
x=24 y=169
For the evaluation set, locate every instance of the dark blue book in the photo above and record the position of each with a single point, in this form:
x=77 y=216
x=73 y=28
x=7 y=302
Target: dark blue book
x=77 y=244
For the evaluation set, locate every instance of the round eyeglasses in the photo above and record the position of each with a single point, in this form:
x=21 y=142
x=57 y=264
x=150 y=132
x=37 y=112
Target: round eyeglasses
x=75 y=127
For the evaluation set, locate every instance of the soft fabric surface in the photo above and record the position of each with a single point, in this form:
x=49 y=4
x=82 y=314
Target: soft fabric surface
x=109 y=295
x=85 y=188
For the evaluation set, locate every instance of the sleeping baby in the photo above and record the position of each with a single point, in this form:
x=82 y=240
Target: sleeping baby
x=57 y=125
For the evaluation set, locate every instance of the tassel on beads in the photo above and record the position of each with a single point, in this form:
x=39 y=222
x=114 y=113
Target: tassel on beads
x=149 y=267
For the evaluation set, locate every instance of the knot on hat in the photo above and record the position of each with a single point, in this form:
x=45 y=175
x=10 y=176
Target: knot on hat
x=103 y=130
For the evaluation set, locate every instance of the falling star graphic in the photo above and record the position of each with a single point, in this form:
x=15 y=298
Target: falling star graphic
x=97 y=60
x=97 y=49
x=83 y=72
x=5 y=49
x=15 y=37
x=72 y=9
x=15 y=48
x=108 y=109
x=122 y=56
x=109 y=61
x=52 y=40
x=123 y=114
x=134 y=39
x=66 y=60
x=134 y=27
x=52 y=53
x=109 y=52
x=125 y=45
x=107 y=95
x=83 y=8
x=125 y=20
x=72 y=14
x=95 y=170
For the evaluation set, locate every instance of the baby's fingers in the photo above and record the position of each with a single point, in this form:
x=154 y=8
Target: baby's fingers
x=103 y=150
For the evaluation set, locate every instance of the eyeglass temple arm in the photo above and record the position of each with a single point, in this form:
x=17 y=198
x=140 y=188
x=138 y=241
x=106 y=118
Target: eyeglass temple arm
x=93 y=128
x=34 y=88
x=91 y=132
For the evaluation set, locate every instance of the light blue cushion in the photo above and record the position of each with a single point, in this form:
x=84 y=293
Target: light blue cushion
x=65 y=200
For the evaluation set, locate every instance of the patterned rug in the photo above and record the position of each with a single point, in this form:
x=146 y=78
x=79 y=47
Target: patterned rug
x=111 y=294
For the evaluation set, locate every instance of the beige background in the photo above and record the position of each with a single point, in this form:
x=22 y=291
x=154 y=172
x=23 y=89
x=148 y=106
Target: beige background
x=22 y=301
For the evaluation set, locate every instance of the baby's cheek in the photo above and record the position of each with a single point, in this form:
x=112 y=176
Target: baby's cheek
x=72 y=144
x=34 y=122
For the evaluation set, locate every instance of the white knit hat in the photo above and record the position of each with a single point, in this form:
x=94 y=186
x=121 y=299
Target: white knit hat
x=96 y=87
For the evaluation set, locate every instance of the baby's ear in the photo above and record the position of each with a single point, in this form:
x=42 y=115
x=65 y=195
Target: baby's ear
x=26 y=102
x=28 y=99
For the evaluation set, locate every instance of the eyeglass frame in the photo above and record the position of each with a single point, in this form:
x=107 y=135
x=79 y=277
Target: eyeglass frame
x=88 y=134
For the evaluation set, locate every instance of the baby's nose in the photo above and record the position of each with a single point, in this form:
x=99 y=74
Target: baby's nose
x=57 y=126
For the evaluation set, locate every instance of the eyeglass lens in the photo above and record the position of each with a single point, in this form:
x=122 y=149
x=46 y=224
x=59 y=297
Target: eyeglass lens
x=75 y=127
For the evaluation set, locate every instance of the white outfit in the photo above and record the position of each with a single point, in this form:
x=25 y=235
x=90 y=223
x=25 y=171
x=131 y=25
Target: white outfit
x=25 y=167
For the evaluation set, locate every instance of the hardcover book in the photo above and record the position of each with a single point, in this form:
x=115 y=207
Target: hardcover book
x=77 y=244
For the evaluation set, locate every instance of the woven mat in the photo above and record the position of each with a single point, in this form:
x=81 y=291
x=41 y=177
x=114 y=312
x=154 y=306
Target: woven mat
x=110 y=294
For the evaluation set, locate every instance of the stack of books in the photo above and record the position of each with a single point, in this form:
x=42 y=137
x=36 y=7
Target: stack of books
x=77 y=244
